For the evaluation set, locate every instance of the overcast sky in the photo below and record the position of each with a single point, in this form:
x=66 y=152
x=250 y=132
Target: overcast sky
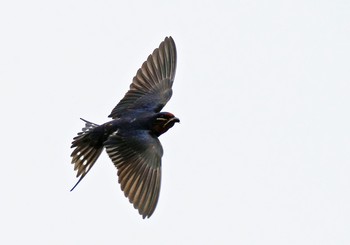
x=262 y=154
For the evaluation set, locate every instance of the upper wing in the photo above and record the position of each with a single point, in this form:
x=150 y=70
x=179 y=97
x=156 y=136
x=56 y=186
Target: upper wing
x=151 y=88
x=138 y=160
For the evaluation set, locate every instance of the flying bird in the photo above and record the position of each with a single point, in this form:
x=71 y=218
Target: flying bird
x=131 y=136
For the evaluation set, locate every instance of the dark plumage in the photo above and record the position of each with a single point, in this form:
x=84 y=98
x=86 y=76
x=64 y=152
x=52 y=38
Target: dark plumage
x=131 y=138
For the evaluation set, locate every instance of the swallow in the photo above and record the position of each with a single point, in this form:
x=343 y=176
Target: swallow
x=131 y=136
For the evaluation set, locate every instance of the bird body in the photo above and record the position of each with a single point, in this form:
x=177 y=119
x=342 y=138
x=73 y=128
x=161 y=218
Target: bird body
x=131 y=137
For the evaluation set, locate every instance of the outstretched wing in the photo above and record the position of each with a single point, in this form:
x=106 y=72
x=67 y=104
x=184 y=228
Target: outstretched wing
x=151 y=88
x=137 y=156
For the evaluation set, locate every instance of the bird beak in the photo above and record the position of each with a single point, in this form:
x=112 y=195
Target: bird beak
x=174 y=120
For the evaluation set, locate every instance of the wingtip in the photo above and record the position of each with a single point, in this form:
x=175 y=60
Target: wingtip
x=169 y=38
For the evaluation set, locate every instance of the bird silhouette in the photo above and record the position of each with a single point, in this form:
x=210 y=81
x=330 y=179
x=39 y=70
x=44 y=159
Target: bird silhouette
x=131 y=137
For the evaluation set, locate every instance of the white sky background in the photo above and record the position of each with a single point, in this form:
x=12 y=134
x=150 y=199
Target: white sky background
x=262 y=90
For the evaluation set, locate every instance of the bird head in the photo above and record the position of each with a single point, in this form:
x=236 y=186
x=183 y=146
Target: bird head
x=162 y=122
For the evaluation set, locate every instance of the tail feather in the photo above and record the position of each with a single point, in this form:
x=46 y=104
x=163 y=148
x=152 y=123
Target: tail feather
x=88 y=148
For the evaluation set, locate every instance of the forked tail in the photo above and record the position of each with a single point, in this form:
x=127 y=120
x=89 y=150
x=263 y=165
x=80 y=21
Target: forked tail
x=88 y=147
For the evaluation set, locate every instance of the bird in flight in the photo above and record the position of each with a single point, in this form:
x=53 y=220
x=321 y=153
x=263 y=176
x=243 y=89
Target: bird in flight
x=131 y=136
